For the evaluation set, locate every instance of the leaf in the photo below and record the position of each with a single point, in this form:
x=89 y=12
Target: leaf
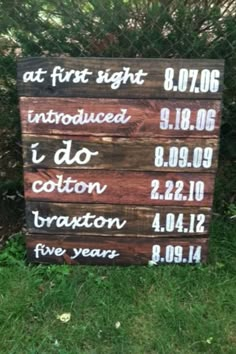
x=56 y=343
x=209 y=340
x=151 y=263
x=65 y=317
x=117 y=325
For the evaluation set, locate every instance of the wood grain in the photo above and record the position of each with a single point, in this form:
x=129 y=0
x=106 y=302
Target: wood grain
x=116 y=208
x=144 y=116
x=123 y=251
x=122 y=187
x=139 y=219
x=153 y=86
x=134 y=154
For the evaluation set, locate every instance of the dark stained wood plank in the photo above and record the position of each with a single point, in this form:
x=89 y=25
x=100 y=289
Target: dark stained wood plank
x=145 y=192
x=111 y=250
x=123 y=78
x=116 y=220
x=134 y=154
x=117 y=187
x=120 y=117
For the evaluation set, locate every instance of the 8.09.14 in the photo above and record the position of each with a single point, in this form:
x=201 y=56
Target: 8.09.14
x=176 y=254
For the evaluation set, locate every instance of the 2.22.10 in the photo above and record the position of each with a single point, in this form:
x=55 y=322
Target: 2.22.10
x=173 y=190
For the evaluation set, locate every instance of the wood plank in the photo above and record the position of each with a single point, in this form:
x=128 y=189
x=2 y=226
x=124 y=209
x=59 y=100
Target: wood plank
x=120 y=77
x=116 y=220
x=134 y=154
x=120 y=117
x=111 y=250
x=117 y=187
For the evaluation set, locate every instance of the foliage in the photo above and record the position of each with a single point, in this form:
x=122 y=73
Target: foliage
x=225 y=191
x=14 y=252
x=232 y=210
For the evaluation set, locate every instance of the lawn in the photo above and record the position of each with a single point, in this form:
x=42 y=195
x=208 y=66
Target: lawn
x=164 y=309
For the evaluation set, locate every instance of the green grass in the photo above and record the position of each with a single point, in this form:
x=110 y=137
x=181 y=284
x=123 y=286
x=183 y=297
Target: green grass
x=165 y=309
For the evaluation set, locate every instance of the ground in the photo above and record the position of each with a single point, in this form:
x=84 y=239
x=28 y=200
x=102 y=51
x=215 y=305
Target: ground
x=164 y=309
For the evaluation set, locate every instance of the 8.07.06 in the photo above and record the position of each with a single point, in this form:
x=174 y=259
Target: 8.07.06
x=192 y=80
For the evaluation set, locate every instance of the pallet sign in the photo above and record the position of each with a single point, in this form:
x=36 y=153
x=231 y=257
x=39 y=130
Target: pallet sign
x=120 y=158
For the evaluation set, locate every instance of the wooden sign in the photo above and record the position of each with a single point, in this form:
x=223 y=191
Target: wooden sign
x=120 y=158
x=120 y=78
x=116 y=220
x=119 y=250
x=119 y=187
x=120 y=117
x=160 y=154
